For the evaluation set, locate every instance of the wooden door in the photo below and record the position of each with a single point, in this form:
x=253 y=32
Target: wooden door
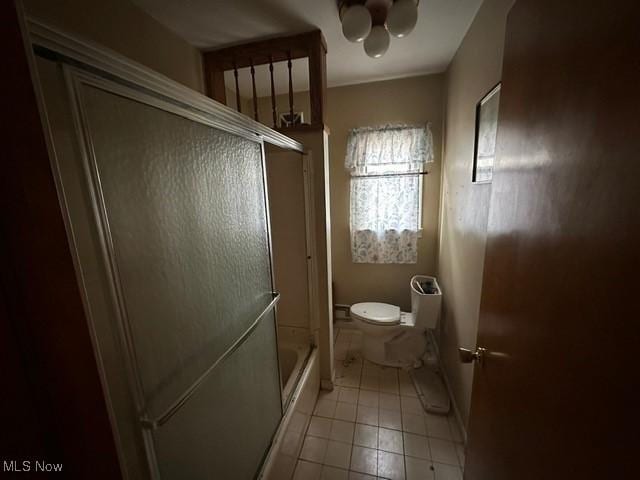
x=51 y=400
x=556 y=394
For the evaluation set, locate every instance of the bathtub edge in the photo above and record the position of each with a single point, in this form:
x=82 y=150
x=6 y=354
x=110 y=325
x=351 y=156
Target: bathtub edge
x=279 y=465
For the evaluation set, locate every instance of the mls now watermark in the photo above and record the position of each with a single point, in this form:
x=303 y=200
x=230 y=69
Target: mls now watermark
x=30 y=466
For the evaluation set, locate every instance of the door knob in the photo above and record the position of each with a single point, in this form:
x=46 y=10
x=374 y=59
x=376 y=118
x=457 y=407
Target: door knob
x=468 y=356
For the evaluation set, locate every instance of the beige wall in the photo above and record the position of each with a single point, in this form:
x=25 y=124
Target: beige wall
x=285 y=182
x=123 y=27
x=475 y=69
x=409 y=100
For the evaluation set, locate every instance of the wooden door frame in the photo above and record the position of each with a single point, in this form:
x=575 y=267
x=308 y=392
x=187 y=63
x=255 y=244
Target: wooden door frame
x=44 y=305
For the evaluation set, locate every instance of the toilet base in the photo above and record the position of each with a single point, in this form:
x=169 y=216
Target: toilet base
x=402 y=349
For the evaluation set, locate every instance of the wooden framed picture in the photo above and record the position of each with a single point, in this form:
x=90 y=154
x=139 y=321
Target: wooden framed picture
x=486 y=132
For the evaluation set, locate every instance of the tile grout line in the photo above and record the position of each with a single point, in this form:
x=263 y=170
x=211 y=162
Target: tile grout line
x=351 y=355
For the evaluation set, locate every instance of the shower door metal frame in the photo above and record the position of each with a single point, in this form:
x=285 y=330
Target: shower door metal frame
x=75 y=79
x=87 y=64
x=47 y=40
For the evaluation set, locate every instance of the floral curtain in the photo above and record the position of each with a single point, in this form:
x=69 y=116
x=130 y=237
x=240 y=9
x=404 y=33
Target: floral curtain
x=390 y=149
x=385 y=191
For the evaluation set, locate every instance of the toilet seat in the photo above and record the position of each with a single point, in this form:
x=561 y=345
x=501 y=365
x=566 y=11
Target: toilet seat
x=376 y=313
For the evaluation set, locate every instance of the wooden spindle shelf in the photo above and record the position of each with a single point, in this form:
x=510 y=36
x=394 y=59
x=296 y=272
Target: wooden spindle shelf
x=310 y=45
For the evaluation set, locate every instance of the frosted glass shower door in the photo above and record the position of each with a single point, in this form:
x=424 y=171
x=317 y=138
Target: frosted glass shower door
x=181 y=205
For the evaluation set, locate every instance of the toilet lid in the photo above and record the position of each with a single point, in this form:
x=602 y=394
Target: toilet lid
x=376 y=313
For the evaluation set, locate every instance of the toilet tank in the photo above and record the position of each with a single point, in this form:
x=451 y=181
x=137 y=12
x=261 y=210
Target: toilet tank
x=425 y=306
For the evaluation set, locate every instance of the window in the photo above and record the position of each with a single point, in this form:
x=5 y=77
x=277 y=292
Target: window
x=387 y=166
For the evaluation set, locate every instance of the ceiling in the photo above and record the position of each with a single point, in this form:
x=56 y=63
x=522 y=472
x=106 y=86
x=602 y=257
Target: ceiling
x=210 y=24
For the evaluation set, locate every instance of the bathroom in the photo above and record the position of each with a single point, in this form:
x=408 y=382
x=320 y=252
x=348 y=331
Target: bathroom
x=243 y=243
x=173 y=374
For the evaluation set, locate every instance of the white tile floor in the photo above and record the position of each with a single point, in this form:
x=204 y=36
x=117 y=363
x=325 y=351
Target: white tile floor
x=372 y=425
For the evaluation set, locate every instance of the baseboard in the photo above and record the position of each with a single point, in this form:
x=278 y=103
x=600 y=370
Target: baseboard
x=341 y=312
x=456 y=410
x=447 y=383
x=346 y=324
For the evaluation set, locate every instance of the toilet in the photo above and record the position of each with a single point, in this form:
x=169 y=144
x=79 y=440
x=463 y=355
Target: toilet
x=394 y=338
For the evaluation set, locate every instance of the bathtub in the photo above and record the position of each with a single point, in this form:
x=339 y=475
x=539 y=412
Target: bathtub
x=292 y=358
x=300 y=373
x=300 y=377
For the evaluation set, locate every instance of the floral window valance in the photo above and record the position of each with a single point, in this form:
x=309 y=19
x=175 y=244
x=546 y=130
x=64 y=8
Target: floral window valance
x=388 y=150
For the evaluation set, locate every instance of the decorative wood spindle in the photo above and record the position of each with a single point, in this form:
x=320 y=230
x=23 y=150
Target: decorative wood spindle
x=274 y=112
x=235 y=74
x=310 y=45
x=290 y=88
x=255 y=97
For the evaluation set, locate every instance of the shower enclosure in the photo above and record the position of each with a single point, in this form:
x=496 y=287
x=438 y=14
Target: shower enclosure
x=288 y=180
x=166 y=200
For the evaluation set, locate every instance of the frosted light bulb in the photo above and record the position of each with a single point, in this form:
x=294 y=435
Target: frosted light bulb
x=402 y=18
x=377 y=43
x=356 y=23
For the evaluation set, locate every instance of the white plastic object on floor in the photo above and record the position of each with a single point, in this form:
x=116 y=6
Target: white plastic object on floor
x=431 y=390
x=429 y=383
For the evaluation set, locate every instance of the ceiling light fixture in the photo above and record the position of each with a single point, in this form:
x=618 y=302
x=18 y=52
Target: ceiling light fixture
x=373 y=21
x=356 y=23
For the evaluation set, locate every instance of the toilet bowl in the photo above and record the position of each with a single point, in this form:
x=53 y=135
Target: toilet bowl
x=391 y=337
